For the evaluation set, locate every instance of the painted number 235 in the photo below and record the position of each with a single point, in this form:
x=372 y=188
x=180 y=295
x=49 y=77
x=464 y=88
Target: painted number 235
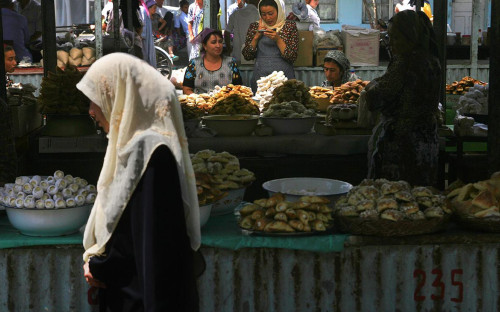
x=438 y=284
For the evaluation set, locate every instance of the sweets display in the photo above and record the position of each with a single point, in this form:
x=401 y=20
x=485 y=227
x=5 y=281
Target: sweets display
x=292 y=109
x=462 y=86
x=275 y=215
x=292 y=90
x=391 y=200
x=477 y=200
x=266 y=86
x=52 y=192
x=224 y=169
x=348 y=93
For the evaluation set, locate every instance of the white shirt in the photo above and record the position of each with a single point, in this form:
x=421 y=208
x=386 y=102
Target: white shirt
x=231 y=9
x=33 y=13
x=238 y=24
x=161 y=11
x=312 y=17
x=182 y=20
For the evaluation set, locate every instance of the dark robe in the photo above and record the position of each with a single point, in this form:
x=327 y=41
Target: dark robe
x=148 y=263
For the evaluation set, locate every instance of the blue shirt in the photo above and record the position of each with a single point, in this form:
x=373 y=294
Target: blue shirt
x=15 y=29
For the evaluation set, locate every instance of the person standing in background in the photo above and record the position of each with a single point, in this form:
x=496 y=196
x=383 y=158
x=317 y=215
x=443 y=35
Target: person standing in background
x=307 y=13
x=272 y=41
x=160 y=10
x=8 y=156
x=336 y=67
x=238 y=5
x=15 y=29
x=147 y=10
x=195 y=26
x=238 y=25
x=32 y=10
x=404 y=144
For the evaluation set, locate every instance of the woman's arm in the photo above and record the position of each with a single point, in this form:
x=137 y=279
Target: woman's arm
x=289 y=35
x=163 y=24
x=189 y=78
x=250 y=47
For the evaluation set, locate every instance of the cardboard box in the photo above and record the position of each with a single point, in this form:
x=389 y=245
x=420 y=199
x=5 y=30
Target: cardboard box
x=321 y=52
x=305 y=53
x=361 y=45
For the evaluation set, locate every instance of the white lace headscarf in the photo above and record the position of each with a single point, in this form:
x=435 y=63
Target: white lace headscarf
x=143 y=113
x=280 y=21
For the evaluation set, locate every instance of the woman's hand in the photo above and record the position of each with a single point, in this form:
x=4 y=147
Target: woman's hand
x=272 y=34
x=90 y=279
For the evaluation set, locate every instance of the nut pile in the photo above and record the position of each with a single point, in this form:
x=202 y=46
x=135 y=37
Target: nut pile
x=52 y=192
x=348 y=92
x=391 y=200
x=462 y=86
x=274 y=214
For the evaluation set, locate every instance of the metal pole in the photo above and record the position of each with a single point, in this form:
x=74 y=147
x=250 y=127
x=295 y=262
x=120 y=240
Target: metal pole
x=116 y=25
x=476 y=21
x=207 y=18
x=440 y=23
x=98 y=28
x=494 y=91
x=3 y=80
x=49 y=36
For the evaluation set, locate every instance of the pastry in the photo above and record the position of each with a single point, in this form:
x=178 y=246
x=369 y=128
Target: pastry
x=348 y=211
x=392 y=215
x=369 y=214
x=421 y=191
x=365 y=205
x=419 y=215
x=383 y=204
x=318 y=225
x=369 y=192
x=390 y=188
x=434 y=212
x=261 y=224
x=491 y=212
x=280 y=216
x=296 y=224
x=248 y=209
x=246 y=223
x=485 y=200
x=279 y=226
x=409 y=207
x=424 y=201
x=403 y=196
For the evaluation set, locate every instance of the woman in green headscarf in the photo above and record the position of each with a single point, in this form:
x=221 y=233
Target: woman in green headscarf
x=404 y=145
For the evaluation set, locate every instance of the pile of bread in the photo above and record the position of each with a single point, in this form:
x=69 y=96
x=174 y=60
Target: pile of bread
x=219 y=93
x=76 y=57
x=194 y=105
x=477 y=200
x=275 y=215
x=348 y=92
x=391 y=200
x=462 y=86
x=224 y=169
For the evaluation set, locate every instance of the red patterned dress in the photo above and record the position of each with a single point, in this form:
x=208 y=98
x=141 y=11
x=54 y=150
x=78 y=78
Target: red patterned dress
x=267 y=55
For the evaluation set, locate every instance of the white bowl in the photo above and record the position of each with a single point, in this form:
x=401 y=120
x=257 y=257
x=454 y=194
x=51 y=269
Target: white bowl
x=289 y=125
x=227 y=204
x=205 y=214
x=48 y=222
x=294 y=188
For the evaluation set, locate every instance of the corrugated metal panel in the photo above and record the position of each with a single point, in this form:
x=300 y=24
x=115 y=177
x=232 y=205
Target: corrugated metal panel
x=368 y=278
x=314 y=76
x=43 y=279
x=35 y=79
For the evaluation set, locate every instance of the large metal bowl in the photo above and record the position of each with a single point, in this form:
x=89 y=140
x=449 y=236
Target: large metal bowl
x=231 y=125
x=283 y=126
x=294 y=188
x=48 y=222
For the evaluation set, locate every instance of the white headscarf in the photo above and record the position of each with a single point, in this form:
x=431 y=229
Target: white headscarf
x=143 y=113
x=280 y=21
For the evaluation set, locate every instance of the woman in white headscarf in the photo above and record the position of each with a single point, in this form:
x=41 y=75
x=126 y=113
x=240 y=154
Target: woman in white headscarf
x=144 y=227
x=272 y=41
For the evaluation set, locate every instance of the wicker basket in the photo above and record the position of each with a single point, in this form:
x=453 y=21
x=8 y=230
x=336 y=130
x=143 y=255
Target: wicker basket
x=386 y=228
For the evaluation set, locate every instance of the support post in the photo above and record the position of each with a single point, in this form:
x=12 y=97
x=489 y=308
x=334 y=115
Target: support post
x=98 y=29
x=494 y=90
x=440 y=23
x=49 y=36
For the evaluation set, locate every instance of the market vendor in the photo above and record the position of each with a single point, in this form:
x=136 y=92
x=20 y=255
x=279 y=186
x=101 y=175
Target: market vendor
x=336 y=67
x=404 y=144
x=8 y=157
x=211 y=68
x=272 y=41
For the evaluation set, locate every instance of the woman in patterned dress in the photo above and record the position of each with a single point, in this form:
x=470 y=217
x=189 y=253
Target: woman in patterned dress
x=272 y=41
x=404 y=144
x=211 y=68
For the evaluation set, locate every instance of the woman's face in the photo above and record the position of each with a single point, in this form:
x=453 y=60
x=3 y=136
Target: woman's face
x=95 y=113
x=269 y=14
x=314 y=3
x=152 y=9
x=214 y=45
x=333 y=73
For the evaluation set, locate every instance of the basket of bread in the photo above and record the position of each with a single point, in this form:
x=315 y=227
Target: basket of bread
x=391 y=208
x=476 y=205
x=274 y=216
